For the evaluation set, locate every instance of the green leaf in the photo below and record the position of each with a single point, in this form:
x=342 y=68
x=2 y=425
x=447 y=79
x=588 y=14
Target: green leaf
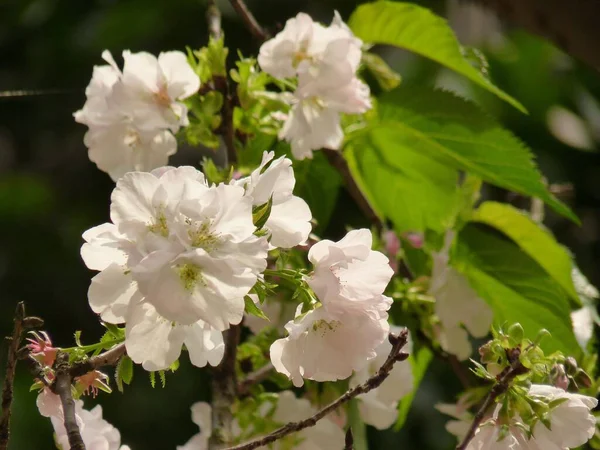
x=261 y=213
x=456 y=133
x=411 y=189
x=252 y=308
x=77 y=337
x=124 y=372
x=419 y=362
x=533 y=240
x=417 y=29
x=318 y=183
x=516 y=287
x=152 y=379
x=387 y=78
x=163 y=378
x=358 y=426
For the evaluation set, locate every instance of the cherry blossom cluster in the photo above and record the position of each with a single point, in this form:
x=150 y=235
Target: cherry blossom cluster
x=181 y=254
x=570 y=424
x=282 y=408
x=132 y=114
x=325 y=61
x=341 y=332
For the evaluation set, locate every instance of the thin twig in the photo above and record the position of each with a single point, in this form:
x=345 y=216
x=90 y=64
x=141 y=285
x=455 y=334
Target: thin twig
x=254 y=378
x=251 y=23
x=396 y=354
x=337 y=161
x=224 y=391
x=213 y=19
x=226 y=129
x=62 y=387
x=502 y=384
x=11 y=363
x=349 y=441
x=109 y=358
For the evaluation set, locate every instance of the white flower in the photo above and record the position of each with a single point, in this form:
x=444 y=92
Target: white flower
x=131 y=114
x=325 y=59
x=155 y=342
x=175 y=264
x=121 y=147
x=97 y=433
x=489 y=437
x=150 y=87
x=325 y=435
x=325 y=346
x=379 y=406
x=583 y=325
x=49 y=405
x=201 y=416
x=457 y=304
x=289 y=221
x=454 y=340
x=190 y=248
x=571 y=423
x=349 y=275
x=458 y=411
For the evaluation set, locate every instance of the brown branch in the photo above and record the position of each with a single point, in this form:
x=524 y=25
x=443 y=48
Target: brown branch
x=249 y=20
x=226 y=128
x=62 y=387
x=11 y=363
x=337 y=161
x=213 y=19
x=349 y=441
x=109 y=358
x=502 y=384
x=224 y=390
x=254 y=378
x=396 y=354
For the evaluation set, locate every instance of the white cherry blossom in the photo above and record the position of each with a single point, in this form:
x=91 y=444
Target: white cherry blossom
x=97 y=433
x=155 y=342
x=131 y=114
x=325 y=346
x=349 y=275
x=571 y=422
x=201 y=416
x=289 y=221
x=379 y=406
x=490 y=437
x=456 y=304
x=151 y=87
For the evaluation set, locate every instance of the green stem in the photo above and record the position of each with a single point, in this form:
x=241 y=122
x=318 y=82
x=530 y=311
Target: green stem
x=92 y=347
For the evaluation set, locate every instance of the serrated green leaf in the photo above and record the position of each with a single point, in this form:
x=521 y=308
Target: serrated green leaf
x=411 y=189
x=77 y=337
x=152 y=379
x=417 y=29
x=175 y=366
x=114 y=330
x=419 y=362
x=163 y=378
x=124 y=373
x=516 y=288
x=533 y=240
x=385 y=76
x=457 y=134
x=252 y=308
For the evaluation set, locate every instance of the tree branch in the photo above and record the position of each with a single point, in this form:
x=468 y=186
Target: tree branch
x=254 y=378
x=251 y=23
x=62 y=387
x=396 y=354
x=338 y=162
x=11 y=363
x=349 y=441
x=213 y=19
x=224 y=390
x=109 y=358
x=502 y=384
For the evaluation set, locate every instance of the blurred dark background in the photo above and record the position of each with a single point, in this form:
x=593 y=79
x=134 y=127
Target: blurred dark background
x=50 y=192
